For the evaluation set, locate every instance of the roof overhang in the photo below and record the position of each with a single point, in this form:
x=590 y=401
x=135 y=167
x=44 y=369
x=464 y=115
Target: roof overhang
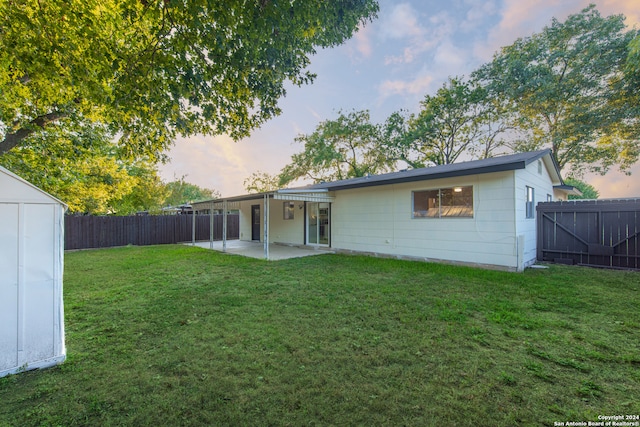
x=569 y=189
x=296 y=195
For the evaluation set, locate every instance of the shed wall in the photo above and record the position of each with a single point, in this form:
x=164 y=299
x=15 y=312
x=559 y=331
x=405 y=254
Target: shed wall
x=31 y=262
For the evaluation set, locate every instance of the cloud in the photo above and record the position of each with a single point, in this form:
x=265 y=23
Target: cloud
x=402 y=25
x=477 y=13
x=629 y=8
x=417 y=86
x=615 y=184
x=360 y=45
x=210 y=162
x=449 y=57
x=521 y=19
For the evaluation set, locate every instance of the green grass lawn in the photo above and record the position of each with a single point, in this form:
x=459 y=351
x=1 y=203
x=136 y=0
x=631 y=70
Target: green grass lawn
x=175 y=335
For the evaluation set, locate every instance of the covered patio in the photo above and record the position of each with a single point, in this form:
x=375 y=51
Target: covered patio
x=256 y=249
x=256 y=223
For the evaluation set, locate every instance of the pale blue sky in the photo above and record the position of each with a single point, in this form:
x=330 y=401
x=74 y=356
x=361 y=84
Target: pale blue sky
x=390 y=64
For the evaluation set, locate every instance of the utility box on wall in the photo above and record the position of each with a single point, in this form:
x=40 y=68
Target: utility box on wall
x=31 y=268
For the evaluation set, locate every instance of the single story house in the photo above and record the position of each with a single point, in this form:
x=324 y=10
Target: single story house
x=31 y=267
x=478 y=213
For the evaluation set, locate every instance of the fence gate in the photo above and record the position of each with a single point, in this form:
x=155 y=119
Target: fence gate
x=603 y=233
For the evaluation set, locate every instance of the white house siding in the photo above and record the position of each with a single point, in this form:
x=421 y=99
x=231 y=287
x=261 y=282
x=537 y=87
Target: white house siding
x=526 y=227
x=280 y=230
x=379 y=220
x=245 y=219
x=290 y=231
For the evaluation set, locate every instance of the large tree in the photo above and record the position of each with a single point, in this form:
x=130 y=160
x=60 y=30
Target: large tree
x=346 y=147
x=564 y=87
x=152 y=69
x=459 y=120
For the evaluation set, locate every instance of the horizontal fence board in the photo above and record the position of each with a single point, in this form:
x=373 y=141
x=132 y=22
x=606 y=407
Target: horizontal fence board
x=84 y=232
x=603 y=233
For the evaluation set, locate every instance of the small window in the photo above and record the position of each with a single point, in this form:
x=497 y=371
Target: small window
x=549 y=198
x=288 y=210
x=454 y=202
x=530 y=202
x=540 y=167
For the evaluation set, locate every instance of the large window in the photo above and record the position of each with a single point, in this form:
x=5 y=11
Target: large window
x=530 y=202
x=454 y=202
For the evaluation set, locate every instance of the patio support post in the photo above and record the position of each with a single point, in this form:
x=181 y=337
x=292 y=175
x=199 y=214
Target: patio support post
x=224 y=226
x=266 y=226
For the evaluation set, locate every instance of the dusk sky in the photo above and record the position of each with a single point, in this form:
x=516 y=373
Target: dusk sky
x=409 y=51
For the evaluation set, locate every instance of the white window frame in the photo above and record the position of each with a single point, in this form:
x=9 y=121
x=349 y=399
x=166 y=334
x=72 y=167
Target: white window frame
x=288 y=211
x=530 y=198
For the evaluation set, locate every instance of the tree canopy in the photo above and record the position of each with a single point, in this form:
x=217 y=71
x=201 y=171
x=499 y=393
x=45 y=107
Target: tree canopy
x=78 y=165
x=458 y=120
x=181 y=192
x=564 y=88
x=154 y=69
x=346 y=147
x=81 y=167
x=261 y=182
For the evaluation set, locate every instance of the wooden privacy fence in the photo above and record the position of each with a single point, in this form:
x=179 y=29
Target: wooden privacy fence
x=82 y=232
x=603 y=233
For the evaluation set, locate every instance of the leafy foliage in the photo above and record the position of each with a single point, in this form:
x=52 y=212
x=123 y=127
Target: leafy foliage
x=346 y=147
x=564 y=88
x=588 y=191
x=78 y=165
x=456 y=121
x=261 y=182
x=181 y=192
x=84 y=169
x=153 y=69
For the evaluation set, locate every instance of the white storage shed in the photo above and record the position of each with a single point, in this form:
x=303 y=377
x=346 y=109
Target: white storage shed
x=31 y=267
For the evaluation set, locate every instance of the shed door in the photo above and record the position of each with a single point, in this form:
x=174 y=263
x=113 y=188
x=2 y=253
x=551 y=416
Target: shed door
x=8 y=286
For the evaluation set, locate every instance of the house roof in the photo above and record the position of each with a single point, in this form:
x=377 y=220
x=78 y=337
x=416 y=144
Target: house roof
x=475 y=167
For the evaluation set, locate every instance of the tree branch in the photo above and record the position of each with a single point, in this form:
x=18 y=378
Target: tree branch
x=14 y=139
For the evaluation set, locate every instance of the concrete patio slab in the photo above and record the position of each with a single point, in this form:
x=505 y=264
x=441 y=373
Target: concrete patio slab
x=256 y=249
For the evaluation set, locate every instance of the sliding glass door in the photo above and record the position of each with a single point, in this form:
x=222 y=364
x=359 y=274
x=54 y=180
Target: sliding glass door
x=318 y=227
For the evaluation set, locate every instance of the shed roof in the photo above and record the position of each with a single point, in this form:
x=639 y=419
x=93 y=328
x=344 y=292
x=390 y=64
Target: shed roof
x=16 y=189
x=475 y=167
